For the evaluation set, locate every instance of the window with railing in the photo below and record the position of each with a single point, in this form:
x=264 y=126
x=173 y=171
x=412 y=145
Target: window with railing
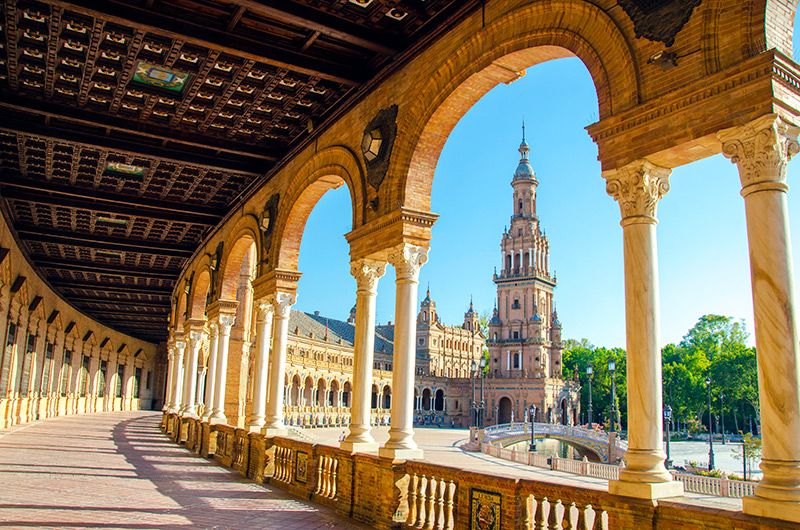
x=44 y=387
x=66 y=372
x=8 y=354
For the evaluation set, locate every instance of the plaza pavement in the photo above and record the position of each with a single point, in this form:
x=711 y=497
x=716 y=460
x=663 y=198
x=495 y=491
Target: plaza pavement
x=116 y=470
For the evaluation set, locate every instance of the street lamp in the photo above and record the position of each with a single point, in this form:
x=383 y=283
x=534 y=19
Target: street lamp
x=482 y=405
x=710 y=428
x=612 y=366
x=667 y=418
x=589 y=372
x=532 y=412
x=474 y=369
x=722 y=413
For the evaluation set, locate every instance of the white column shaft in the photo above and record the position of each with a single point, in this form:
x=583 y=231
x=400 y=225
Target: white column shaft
x=277 y=364
x=263 y=338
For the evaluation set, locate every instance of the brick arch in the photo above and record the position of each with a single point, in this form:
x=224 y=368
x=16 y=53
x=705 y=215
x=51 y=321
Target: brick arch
x=326 y=170
x=243 y=237
x=515 y=41
x=200 y=288
x=180 y=308
x=734 y=30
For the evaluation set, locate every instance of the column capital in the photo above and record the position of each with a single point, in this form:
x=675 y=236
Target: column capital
x=196 y=338
x=265 y=308
x=638 y=187
x=180 y=346
x=761 y=149
x=225 y=322
x=367 y=272
x=283 y=304
x=213 y=328
x=407 y=259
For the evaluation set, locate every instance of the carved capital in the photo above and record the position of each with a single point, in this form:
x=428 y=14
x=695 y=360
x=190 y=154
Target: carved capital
x=761 y=150
x=196 y=338
x=283 y=304
x=367 y=273
x=265 y=309
x=225 y=322
x=407 y=260
x=213 y=329
x=180 y=346
x=638 y=187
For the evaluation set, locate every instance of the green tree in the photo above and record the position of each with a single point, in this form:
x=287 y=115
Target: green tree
x=750 y=451
x=576 y=357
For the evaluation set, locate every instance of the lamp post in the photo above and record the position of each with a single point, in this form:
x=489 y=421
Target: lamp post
x=667 y=419
x=482 y=405
x=612 y=367
x=532 y=412
x=474 y=370
x=589 y=372
x=722 y=414
x=710 y=428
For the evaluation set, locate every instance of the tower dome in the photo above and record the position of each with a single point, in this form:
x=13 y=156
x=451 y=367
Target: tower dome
x=524 y=169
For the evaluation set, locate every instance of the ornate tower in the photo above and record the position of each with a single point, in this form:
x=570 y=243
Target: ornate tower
x=524 y=333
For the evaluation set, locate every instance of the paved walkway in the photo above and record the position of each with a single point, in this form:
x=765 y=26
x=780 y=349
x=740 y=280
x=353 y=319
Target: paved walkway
x=117 y=470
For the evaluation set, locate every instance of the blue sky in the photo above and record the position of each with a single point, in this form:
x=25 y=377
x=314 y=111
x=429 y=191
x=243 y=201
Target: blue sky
x=701 y=236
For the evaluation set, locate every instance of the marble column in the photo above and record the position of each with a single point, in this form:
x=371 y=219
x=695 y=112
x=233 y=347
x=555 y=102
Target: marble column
x=761 y=150
x=277 y=364
x=367 y=273
x=177 y=383
x=111 y=373
x=638 y=187
x=263 y=340
x=225 y=324
x=407 y=261
x=169 y=401
x=200 y=386
x=127 y=387
x=213 y=345
x=195 y=343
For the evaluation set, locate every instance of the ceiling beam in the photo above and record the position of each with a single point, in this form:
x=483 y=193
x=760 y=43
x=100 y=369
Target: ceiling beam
x=83 y=301
x=157 y=135
x=229 y=43
x=105 y=243
x=17 y=120
x=152 y=290
x=104 y=268
x=317 y=21
x=20 y=188
x=136 y=312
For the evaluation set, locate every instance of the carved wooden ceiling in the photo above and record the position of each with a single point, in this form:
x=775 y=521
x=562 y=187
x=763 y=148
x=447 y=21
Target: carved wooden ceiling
x=128 y=128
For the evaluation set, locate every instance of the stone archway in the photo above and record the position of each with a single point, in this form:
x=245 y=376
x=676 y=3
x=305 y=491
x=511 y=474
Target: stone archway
x=504 y=410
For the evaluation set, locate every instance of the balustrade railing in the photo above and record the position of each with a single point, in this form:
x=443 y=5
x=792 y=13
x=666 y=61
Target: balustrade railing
x=284 y=464
x=431 y=498
x=327 y=467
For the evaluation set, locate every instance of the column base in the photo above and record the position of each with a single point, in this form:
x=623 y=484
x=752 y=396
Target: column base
x=255 y=428
x=218 y=421
x=782 y=510
x=189 y=415
x=359 y=447
x=275 y=431
x=646 y=490
x=400 y=454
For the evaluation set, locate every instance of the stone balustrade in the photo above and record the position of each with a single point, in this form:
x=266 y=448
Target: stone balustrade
x=387 y=494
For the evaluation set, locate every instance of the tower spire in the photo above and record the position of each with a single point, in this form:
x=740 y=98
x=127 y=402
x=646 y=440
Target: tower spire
x=523 y=129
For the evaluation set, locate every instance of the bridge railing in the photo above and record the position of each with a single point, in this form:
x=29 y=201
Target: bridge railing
x=505 y=430
x=719 y=487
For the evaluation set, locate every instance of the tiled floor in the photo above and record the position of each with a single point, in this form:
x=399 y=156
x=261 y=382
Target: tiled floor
x=118 y=471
